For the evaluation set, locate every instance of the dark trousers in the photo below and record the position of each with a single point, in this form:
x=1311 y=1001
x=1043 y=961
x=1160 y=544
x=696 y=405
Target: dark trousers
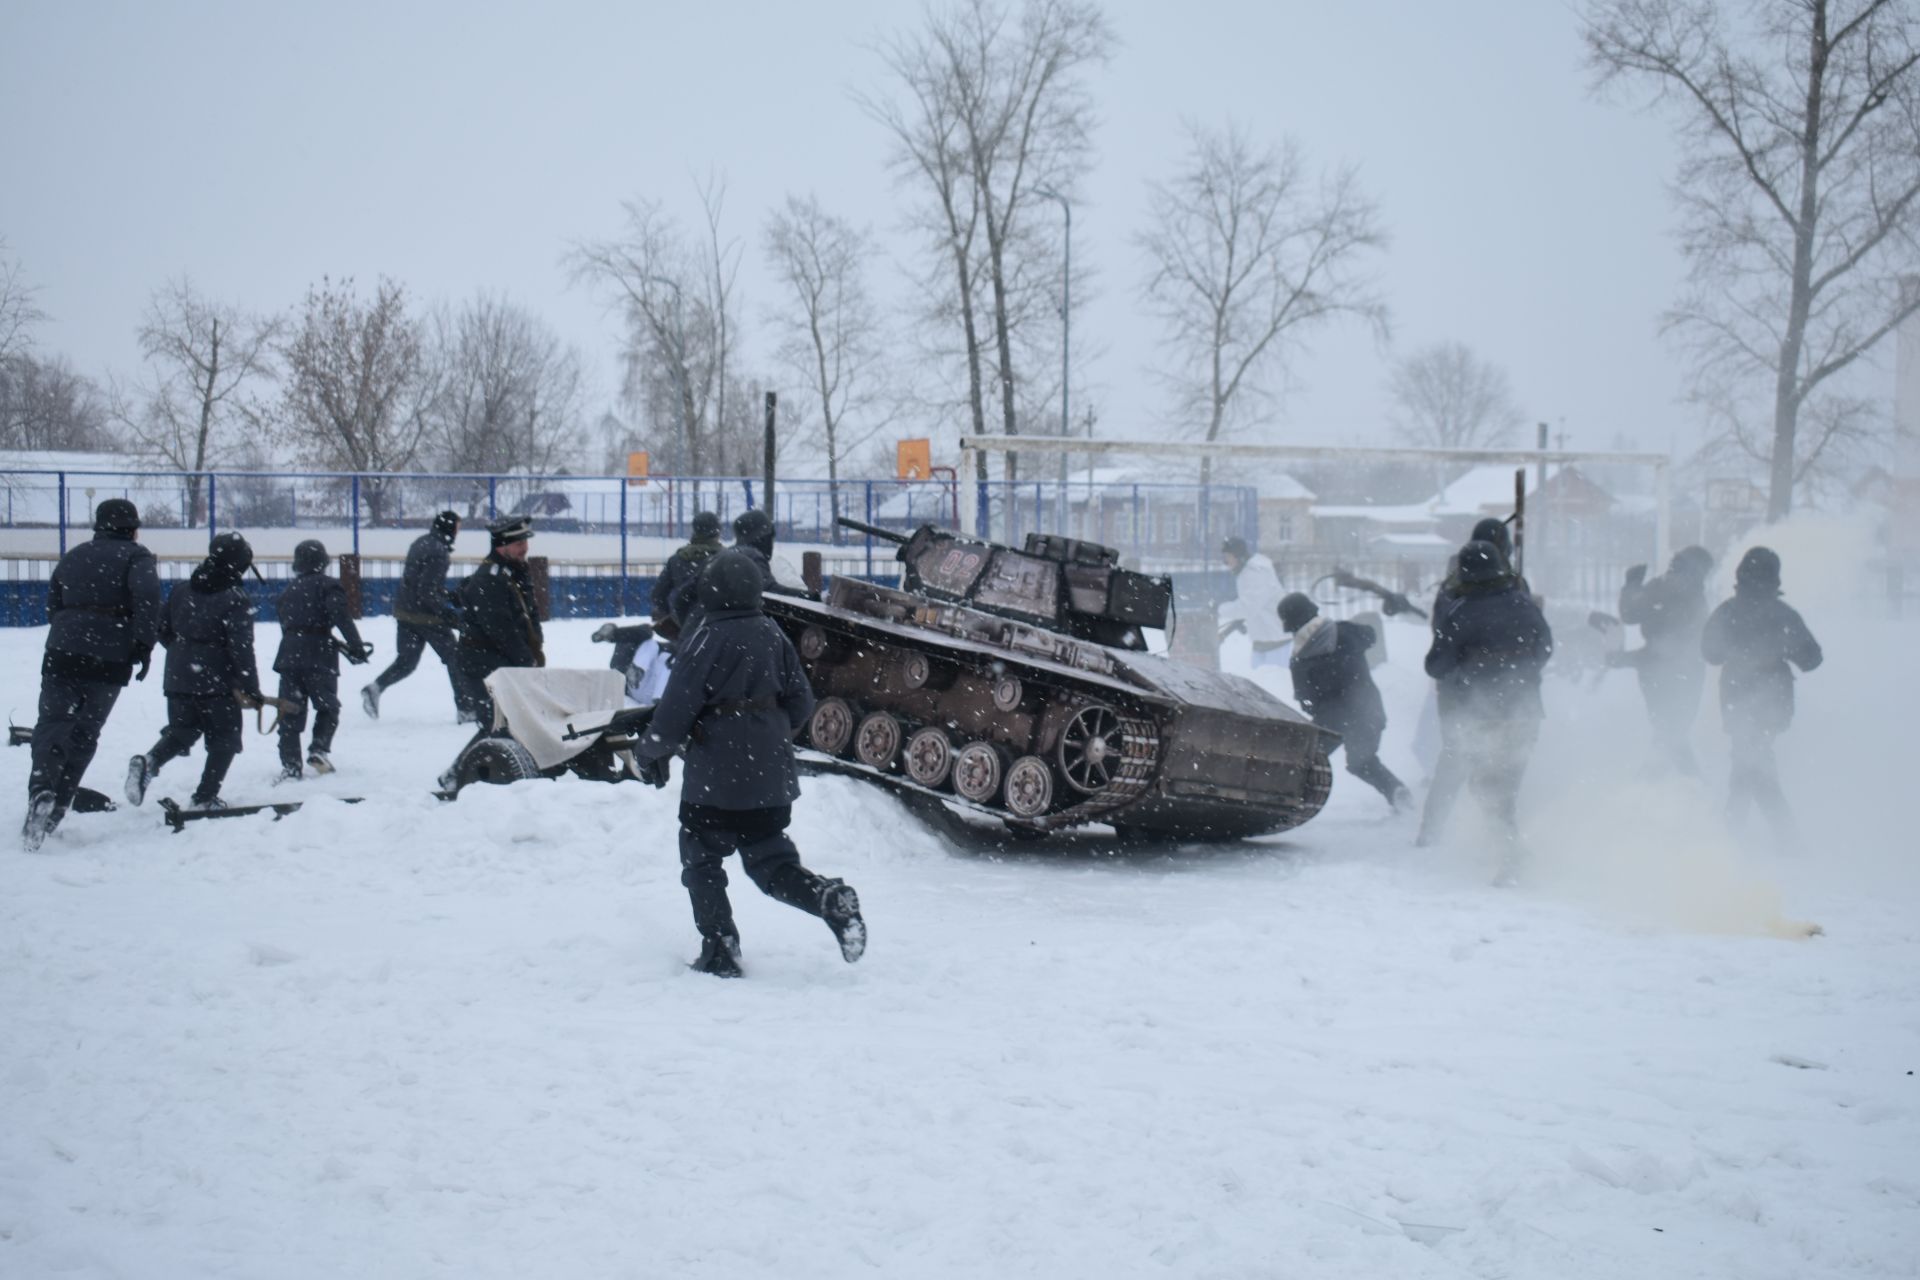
x=188 y=720
x=1362 y=745
x=1672 y=693
x=1755 y=781
x=66 y=734
x=409 y=640
x=1487 y=755
x=322 y=690
x=708 y=835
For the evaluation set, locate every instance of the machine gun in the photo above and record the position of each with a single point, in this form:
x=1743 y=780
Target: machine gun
x=1062 y=584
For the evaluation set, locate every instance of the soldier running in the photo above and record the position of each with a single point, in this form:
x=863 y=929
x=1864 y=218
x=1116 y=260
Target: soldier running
x=207 y=628
x=309 y=662
x=104 y=603
x=736 y=697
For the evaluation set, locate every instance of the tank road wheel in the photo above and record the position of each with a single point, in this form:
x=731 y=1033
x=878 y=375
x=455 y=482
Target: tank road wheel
x=877 y=741
x=817 y=643
x=1007 y=692
x=916 y=671
x=977 y=771
x=929 y=756
x=1029 y=787
x=831 y=727
x=1091 y=747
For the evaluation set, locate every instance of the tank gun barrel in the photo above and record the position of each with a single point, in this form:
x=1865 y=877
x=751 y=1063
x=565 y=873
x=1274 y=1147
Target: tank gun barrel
x=873 y=531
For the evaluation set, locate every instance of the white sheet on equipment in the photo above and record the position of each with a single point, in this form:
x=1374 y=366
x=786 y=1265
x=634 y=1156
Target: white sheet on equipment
x=647 y=679
x=540 y=703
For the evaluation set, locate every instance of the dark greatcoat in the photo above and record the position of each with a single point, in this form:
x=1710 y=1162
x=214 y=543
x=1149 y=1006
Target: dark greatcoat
x=499 y=625
x=207 y=627
x=682 y=567
x=737 y=696
x=104 y=603
x=310 y=610
x=1333 y=682
x=1752 y=638
x=422 y=600
x=1488 y=650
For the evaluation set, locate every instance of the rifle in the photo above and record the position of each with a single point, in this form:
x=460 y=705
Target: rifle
x=281 y=707
x=178 y=816
x=1391 y=602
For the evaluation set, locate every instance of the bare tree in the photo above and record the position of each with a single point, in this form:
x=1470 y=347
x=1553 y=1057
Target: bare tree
x=1248 y=255
x=18 y=314
x=678 y=304
x=1799 y=189
x=355 y=393
x=46 y=404
x=507 y=393
x=996 y=108
x=203 y=358
x=829 y=330
x=1446 y=397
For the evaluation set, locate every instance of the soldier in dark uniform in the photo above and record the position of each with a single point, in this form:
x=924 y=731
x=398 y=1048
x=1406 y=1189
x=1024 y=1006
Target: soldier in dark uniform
x=682 y=568
x=425 y=615
x=737 y=696
x=104 y=603
x=500 y=627
x=1486 y=659
x=1450 y=770
x=1756 y=639
x=1670 y=611
x=1333 y=683
x=309 y=665
x=753 y=537
x=207 y=627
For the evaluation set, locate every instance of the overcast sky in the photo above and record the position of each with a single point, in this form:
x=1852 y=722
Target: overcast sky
x=255 y=147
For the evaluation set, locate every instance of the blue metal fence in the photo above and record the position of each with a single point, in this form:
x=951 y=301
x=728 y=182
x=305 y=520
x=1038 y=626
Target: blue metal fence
x=622 y=528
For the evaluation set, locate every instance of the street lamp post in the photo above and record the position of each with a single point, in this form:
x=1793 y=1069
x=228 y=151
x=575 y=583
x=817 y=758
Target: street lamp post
x=1066 y=335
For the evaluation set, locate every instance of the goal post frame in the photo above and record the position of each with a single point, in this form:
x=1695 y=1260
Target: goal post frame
x=1661 y=463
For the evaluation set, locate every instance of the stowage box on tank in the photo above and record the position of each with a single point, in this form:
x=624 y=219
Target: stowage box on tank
x=1018 y=682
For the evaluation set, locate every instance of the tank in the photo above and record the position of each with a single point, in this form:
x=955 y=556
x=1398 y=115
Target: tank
x=1018 y=683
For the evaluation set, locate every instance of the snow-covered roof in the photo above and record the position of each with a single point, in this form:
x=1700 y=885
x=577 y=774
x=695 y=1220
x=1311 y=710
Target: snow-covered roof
x=1278 y=486
x=1411 y=513
x=1483 y=490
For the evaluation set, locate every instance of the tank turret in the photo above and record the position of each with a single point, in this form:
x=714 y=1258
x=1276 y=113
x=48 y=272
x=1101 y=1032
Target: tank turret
x=1018 y=682
x=1062 y=583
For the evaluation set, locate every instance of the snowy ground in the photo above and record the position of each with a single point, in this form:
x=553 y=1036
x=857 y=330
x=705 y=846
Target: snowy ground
x=406 y=1038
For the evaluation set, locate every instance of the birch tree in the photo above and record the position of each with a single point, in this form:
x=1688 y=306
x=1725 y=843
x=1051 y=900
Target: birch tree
x=1799 y=194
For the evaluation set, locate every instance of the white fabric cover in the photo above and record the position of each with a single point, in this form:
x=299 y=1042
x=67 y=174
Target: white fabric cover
x=538 y=704
x=647 y=678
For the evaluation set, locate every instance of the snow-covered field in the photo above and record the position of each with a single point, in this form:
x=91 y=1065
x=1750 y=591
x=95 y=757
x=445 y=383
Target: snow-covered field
x=407 y=1038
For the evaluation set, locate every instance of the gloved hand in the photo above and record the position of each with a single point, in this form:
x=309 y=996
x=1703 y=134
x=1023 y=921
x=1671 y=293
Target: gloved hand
x=656 y=772
x=1636 y=575
x=358 y=657
x=143 y=659
x=604 y=633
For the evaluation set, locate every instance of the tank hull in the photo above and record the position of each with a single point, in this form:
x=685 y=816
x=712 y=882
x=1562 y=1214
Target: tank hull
x=1045 y=730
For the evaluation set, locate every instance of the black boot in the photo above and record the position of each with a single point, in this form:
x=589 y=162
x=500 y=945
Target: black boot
x=840 y=908
x=719 y=957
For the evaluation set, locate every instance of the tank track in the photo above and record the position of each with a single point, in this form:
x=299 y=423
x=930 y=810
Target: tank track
x=1129 y=772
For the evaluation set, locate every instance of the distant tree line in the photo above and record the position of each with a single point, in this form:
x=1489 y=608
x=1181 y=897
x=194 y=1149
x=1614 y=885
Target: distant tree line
x=1800 y=198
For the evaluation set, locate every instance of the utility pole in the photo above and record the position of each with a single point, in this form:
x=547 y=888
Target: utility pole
x=1066 y=336
x=766 y=453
